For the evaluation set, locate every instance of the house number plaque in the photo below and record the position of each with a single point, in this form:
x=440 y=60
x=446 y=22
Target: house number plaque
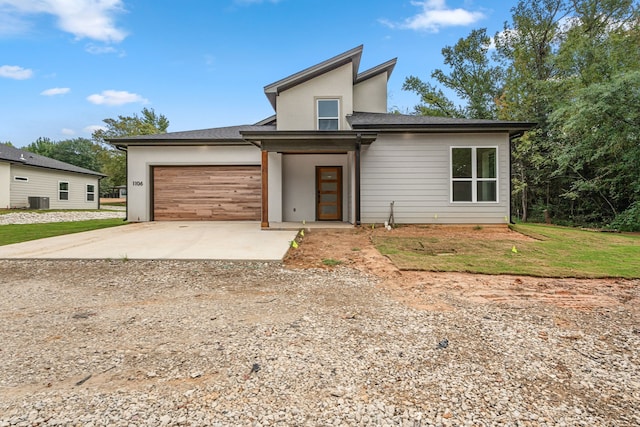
x=137 y=183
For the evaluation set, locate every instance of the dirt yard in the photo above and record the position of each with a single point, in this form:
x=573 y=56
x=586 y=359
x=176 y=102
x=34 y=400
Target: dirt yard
x=354 y=248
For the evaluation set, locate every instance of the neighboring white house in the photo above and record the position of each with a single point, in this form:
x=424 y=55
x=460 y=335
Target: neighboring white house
x=30 y=180
x=331 y=152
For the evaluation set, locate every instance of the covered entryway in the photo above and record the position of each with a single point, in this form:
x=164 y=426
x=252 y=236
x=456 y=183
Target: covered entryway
x=206 y=193
x=289 y=183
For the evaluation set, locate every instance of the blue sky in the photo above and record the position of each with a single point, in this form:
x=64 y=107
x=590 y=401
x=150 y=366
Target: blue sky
x=65 y=65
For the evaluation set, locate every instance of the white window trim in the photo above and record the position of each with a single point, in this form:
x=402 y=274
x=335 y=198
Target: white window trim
x=474 y=175
x=21 y=178
x=68 y=191
x=318 y=118
x=87 y=192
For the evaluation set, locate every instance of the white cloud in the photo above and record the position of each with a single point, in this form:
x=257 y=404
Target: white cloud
x=435 y=14
x=100 y=50
x=93 y=19
x=503 y=37
x=55 y=91
x=15 y=72
x=67 y=131
x=11 y=25
x=115 y=97
x=93 y=128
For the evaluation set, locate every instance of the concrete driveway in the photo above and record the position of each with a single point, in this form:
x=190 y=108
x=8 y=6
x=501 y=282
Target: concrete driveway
x=162 y=240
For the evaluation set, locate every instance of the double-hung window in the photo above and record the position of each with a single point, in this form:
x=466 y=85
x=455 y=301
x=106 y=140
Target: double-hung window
x=328 y=114
x=474 y=174
x=91 y=192
x=63 y=190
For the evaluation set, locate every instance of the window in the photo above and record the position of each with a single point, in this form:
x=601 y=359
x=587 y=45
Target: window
x=63 y=190
x=91 y=192
x=328 y=114
x=21 y=178
x=474 y=174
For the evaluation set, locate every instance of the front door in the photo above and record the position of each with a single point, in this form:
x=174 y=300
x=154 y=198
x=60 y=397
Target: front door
x=329 y=193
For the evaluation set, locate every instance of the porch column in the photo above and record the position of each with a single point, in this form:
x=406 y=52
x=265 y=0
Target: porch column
x=265 y=190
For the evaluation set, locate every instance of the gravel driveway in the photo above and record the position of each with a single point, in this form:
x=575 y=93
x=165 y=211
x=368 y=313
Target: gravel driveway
x=132 y=343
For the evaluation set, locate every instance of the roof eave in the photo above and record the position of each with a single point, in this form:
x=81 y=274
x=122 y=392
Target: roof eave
x=512 y=128
x=372 y=72
x=353 y=55
x=174 y=141
x=92 y=173
x=293 y=134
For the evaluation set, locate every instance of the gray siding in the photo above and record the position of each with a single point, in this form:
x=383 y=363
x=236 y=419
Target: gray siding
x=44 y=183
x=414 y=171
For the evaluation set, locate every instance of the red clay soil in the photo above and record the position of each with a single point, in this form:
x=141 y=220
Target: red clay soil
x=433 y=290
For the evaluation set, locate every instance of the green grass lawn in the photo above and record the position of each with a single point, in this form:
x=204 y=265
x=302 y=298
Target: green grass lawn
x=553 y=252
x=15 y=233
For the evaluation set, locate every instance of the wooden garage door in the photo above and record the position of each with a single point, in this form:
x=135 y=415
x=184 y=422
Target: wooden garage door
x=207 y=193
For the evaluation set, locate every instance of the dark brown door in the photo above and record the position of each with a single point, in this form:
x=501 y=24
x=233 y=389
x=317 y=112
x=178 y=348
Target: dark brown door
x=329 y=193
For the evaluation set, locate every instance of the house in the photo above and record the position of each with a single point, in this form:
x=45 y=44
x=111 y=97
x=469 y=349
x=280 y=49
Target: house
x=331 y=152
x=30 y=180
x=120 y=191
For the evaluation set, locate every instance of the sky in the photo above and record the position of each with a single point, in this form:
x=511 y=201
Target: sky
x=66 y=65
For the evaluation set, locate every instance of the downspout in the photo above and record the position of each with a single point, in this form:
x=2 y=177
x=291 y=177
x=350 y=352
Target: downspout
x=126 y=181
x=357 y=195
x=511 y=138
x=99 y=179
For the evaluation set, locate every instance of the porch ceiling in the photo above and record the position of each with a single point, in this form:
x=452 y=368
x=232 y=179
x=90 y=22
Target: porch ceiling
x=310 y=141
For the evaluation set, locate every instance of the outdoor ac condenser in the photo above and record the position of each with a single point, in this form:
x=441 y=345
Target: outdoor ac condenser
x=38 y=202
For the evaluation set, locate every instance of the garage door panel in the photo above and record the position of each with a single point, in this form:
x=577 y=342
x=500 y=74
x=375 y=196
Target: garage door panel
x=212 y=193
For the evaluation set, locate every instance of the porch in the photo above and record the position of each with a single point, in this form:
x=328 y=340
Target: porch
x=314 y=225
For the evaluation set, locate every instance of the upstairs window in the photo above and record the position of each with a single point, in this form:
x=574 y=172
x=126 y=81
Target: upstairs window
x=474 y=176
x=328 y=114
x=63 y=190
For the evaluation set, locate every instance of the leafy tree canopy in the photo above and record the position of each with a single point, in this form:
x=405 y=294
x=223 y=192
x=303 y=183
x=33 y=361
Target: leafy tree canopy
x=78 y=151
x=148 y=123
x=113 y=162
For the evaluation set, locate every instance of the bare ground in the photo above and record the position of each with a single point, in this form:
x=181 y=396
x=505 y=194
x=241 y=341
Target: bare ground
x=215 y=343
x=424 y=290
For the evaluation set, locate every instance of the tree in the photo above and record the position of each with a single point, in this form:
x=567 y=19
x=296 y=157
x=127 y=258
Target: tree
x=79 y=152
x=147 y=124
x=43 y=146
x=433 y=100
x=601 y=147
x=527 y=48
x=472 y=78
x=113 y=162
x=600 y=39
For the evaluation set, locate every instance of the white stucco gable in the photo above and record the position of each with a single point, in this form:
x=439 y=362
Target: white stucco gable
x=295 y=98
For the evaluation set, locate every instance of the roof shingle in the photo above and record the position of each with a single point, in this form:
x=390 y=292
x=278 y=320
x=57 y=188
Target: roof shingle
x=227 y=134
x=27 y=158
x=389 y=121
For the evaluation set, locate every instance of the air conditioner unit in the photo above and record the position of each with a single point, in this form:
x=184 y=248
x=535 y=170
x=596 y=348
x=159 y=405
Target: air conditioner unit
x=38 y=202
